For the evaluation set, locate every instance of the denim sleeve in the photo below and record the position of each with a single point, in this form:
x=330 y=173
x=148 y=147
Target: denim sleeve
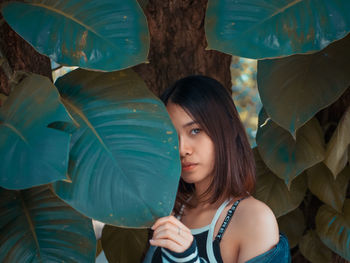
x=278 y=254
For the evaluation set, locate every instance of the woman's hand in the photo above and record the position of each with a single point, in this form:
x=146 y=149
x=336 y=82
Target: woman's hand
x=170 y=233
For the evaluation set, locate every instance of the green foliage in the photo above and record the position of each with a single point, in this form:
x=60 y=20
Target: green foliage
x=295 y=88
x=104 y=35
x=337 y=149
x=32 y=153
x=36 y=226
x=261 y=29
x=124 y=244
x=293 y=225
x=322 y=184
x=333 y=228
x=3 y=98
x=286 y=157
x=125 y=146
x=272 y=190
x=313 y=249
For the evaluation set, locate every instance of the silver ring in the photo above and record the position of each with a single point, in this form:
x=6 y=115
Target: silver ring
x=179 y=231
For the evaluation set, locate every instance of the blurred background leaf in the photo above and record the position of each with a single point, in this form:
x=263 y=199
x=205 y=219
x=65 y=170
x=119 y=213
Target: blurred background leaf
x=286 y=157
x=329 y=190
x=337 y=148
x=245 y=94
x=295 y=88
x=333 y=228
x=293 y=226
x=273 y=191
x=124 y=244
x=313 y=249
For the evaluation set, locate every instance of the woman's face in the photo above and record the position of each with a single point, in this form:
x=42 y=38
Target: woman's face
x=196 y=148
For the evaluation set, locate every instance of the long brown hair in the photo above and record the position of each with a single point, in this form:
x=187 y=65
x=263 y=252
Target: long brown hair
x=211 y=105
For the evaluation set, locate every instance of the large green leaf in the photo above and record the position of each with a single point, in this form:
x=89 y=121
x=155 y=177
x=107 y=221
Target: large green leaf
x=36 y=226
x=329 y=190
x=105 y=34
x=124 y=244
x=30 y=152
x=295 y=88
x=3 y=98
x=286 y=157
x=337 y=148
x=333 y=228
x=124 y=160
x=272 y=190
x=259 y=29
x=313 y=249
x=293 y=225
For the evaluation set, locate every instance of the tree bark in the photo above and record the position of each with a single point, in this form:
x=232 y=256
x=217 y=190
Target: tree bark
x=17 y=55
x=177 y=49
x=178 y=45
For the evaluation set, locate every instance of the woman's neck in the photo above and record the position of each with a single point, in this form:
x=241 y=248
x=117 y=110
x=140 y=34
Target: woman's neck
x=201 y=201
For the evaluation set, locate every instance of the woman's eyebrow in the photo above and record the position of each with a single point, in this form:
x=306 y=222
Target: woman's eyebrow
x=189 y=124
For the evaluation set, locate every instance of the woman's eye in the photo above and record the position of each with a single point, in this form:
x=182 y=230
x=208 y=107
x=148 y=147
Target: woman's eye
x=195 y=131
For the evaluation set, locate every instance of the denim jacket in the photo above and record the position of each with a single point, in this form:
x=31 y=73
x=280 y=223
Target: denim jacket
x=278 y=254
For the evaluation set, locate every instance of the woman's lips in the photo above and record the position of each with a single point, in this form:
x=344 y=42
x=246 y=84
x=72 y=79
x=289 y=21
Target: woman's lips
x=188 y=166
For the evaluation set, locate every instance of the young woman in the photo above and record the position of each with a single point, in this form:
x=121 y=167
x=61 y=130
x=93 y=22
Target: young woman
x=215 y=217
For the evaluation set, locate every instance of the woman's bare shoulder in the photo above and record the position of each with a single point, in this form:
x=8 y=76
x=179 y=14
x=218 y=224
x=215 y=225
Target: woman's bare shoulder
x=252 y=209
x=257 y=228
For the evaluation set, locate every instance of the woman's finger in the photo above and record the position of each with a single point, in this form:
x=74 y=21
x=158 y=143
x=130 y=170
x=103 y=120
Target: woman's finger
x=170 y=219
x=171 y=234
x=167 y=243
x=167 y=225
x=174 y=233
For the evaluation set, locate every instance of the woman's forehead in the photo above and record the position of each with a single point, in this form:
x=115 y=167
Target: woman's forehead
x=179 y=115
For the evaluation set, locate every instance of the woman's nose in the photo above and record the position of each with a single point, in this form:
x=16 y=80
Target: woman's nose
x=185 y=147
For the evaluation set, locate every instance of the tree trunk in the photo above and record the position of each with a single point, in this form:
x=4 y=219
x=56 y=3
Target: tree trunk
x=178 y=45
x=17 y=55
x=178 y=49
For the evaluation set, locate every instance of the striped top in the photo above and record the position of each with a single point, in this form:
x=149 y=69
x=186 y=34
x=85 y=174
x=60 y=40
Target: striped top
x=204 y=249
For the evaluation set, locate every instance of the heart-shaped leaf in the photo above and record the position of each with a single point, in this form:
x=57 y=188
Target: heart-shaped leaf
x=99 y=248
x=337 y=148
x=36 y=226
x=293 y=226
x=124 y=244
x=260 y=29
x=105 y=34
x=272 y=190
x=329 y=190
x=333 y=228
x=286 y=157
x=124 y=160
x=3 y=98
x=295 y=88
x=31 y=153
x=313 y=249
